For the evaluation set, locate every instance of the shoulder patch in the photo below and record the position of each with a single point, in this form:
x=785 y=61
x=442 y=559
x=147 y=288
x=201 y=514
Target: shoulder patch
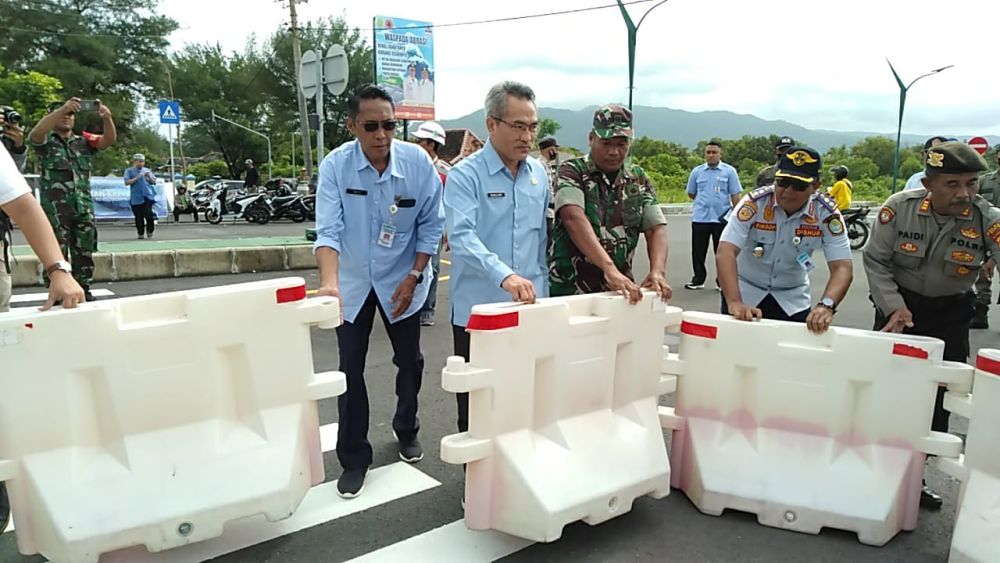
x=827 y=202
x=994 y=232
x=835 y=224
x=747 y=211
x=761 y=193
x=885 y=216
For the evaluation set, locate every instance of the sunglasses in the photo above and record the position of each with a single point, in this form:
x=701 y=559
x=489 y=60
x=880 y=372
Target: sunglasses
x=796 y=185
x=372 y=126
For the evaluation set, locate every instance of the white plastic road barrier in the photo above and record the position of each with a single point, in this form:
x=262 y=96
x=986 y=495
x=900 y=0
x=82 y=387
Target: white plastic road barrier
x=562 y=412
x=977 y=526
x=807 y=431
x=156 y=420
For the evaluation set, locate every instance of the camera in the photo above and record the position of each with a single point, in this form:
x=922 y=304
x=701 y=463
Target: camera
x=89 y=105
x=10 y=115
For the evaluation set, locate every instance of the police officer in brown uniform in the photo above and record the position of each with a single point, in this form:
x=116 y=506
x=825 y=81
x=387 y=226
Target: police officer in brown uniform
x=924 y=255
x=989 y=188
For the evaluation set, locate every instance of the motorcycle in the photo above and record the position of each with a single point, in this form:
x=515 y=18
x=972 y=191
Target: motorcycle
x=309 y=202
x=252 y=207
x=858 y=231
x=289 y=206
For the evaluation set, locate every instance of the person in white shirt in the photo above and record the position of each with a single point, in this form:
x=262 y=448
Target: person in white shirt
x=425 y=88
x=916 y=180
x=411 y=88
x=17 y=202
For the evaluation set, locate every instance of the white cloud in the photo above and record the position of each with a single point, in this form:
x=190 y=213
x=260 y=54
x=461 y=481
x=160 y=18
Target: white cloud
x=821 y=64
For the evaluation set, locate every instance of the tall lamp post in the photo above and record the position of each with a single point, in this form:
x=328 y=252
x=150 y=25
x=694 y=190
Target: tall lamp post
x=633 y=30
x=902 y=103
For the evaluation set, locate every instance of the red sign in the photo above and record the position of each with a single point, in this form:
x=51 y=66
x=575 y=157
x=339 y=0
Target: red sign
x=980 y=144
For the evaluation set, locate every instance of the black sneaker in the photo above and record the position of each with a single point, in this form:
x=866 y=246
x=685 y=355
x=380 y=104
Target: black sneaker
x=692 y=285
x=929 y=498
x=351 y=482
x=410 y=451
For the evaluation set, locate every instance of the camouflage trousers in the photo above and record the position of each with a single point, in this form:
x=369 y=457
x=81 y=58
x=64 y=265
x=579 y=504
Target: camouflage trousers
x=71 y=214
x=984 y=293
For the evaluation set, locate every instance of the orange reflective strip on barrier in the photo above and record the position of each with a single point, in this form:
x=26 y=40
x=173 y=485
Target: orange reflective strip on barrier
x=909 y=351
x=989 y=365
x=493 y=322
x=290 y=294
x=703 y=331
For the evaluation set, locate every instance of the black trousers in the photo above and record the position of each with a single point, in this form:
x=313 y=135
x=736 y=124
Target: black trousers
x=700 y=234
x=462 y=340
x=946 y=318
x=144 y=217
x=770 y=309
x=353 y=448
x=178 y=211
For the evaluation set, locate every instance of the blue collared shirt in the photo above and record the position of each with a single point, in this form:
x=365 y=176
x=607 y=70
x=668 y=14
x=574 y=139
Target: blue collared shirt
x=713 y=189
x=353 y=202
x=759 y=223
x=140 y=191
x=496 y=227
x=915 y=182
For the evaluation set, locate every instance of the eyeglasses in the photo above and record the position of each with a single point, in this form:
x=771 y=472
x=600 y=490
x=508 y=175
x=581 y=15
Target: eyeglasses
x=519 y=126
x=796 y=185
x=372 y=126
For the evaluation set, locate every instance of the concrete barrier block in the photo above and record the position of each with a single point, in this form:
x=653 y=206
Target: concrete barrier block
x=258 y=259
x=204 y=261
x=26 y=271
x=300 y=257
x=144 y=265
x=104 y=267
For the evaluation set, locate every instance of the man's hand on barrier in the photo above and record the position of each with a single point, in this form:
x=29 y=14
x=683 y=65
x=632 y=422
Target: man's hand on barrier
x=332 y=290
x=520 y=289
x=743 y=312
x=658 y=283
x=901 y=318
x=819 y=319
x=403 y=296
x=617 y=281
x=62 y=287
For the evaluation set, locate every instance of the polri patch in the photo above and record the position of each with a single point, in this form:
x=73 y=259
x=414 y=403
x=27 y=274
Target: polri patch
x=908 y=247
x=962 y=256
x=886 y=215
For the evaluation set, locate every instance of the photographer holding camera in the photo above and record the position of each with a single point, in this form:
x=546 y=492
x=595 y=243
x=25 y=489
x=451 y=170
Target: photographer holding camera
x=12 y=135
x=64 y=158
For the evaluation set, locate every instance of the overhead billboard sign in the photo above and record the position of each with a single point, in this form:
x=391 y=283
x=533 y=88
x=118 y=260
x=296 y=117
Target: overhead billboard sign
x=404 y=65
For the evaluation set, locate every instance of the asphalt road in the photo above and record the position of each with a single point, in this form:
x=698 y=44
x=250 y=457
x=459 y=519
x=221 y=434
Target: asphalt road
x=655 y=530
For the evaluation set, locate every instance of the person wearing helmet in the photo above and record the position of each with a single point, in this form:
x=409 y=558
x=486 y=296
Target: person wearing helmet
x=842 y=187
x=252 y=179
x=431 y=137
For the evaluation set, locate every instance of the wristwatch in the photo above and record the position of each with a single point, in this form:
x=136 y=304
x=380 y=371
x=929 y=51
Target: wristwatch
x=829 y=303
x=60 y=265
x=417 y=274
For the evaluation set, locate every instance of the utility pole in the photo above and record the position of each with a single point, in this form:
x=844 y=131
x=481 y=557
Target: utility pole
x=303 y=111
x=180 y=140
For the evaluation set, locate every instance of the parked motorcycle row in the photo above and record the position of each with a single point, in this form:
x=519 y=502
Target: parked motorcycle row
x=272 y=202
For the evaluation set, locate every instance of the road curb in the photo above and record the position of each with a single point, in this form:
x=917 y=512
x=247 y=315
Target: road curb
x=158 y=264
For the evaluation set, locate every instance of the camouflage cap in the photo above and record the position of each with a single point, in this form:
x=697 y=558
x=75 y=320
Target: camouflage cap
x=612 y=120
x=799 y=163
x=954 y=157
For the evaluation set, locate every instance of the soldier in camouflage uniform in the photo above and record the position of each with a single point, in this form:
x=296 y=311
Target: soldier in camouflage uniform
x=602 y=203
x=64 y=158
x=989 y=188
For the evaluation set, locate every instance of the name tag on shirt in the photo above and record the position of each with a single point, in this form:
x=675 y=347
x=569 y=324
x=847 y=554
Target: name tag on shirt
x=496 y=194
x=386 y=235
x=356 y=191
x=806 y=262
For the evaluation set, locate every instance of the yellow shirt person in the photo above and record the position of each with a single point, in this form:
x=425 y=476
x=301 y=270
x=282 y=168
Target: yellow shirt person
x=842 y=188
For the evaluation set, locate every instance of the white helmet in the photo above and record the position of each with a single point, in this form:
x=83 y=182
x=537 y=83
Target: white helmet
x=430 y=130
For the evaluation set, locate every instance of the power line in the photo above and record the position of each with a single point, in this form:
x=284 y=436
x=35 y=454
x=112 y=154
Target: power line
x=514 y=18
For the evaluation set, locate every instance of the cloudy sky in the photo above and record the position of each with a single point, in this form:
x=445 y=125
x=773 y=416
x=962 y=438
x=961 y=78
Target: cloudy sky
x=817 y=63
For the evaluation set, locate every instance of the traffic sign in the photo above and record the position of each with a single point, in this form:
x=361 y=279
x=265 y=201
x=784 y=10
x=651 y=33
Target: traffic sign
x=335 y=70
x=309 y=74
x=170 y=112
x=980 y=144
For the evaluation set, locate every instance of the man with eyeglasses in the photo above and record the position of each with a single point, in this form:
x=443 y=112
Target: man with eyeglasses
x=765 y=256
x=378 y=222
x=495 y=212
x=602 y=206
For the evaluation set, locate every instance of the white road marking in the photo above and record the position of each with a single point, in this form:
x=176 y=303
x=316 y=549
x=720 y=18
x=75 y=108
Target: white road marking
x=41 y=297
x=451 y=543
x=320 y=505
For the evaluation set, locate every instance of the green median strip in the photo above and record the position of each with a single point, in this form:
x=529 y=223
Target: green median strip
x=161 y=245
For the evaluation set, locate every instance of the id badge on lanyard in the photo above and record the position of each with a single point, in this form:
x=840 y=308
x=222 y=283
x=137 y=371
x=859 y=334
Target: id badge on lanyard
x=387 y=234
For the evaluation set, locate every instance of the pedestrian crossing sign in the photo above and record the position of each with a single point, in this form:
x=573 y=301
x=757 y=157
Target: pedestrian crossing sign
x=170 y=112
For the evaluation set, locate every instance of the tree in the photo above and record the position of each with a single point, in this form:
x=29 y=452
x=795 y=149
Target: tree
x=645 y=147
x=30 y=93
x=881 y=151
x=546 y=127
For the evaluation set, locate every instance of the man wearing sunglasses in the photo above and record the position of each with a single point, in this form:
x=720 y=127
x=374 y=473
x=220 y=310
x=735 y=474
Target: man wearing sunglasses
x=924 y=255
x=495 y=209
x=378 y=222
x=766 y=252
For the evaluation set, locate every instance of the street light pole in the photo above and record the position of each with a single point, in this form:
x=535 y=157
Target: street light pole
x=633 y=30
x=266 y=138
x=902 y=103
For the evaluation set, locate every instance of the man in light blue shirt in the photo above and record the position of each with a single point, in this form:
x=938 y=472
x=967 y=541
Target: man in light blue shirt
x=142 y=194
x=916 y=181
x=715 y=189
x=495 y=206
x=378 y=222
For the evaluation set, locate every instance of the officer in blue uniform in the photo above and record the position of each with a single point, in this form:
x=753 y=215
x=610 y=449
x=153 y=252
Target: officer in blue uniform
x=765 y=255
